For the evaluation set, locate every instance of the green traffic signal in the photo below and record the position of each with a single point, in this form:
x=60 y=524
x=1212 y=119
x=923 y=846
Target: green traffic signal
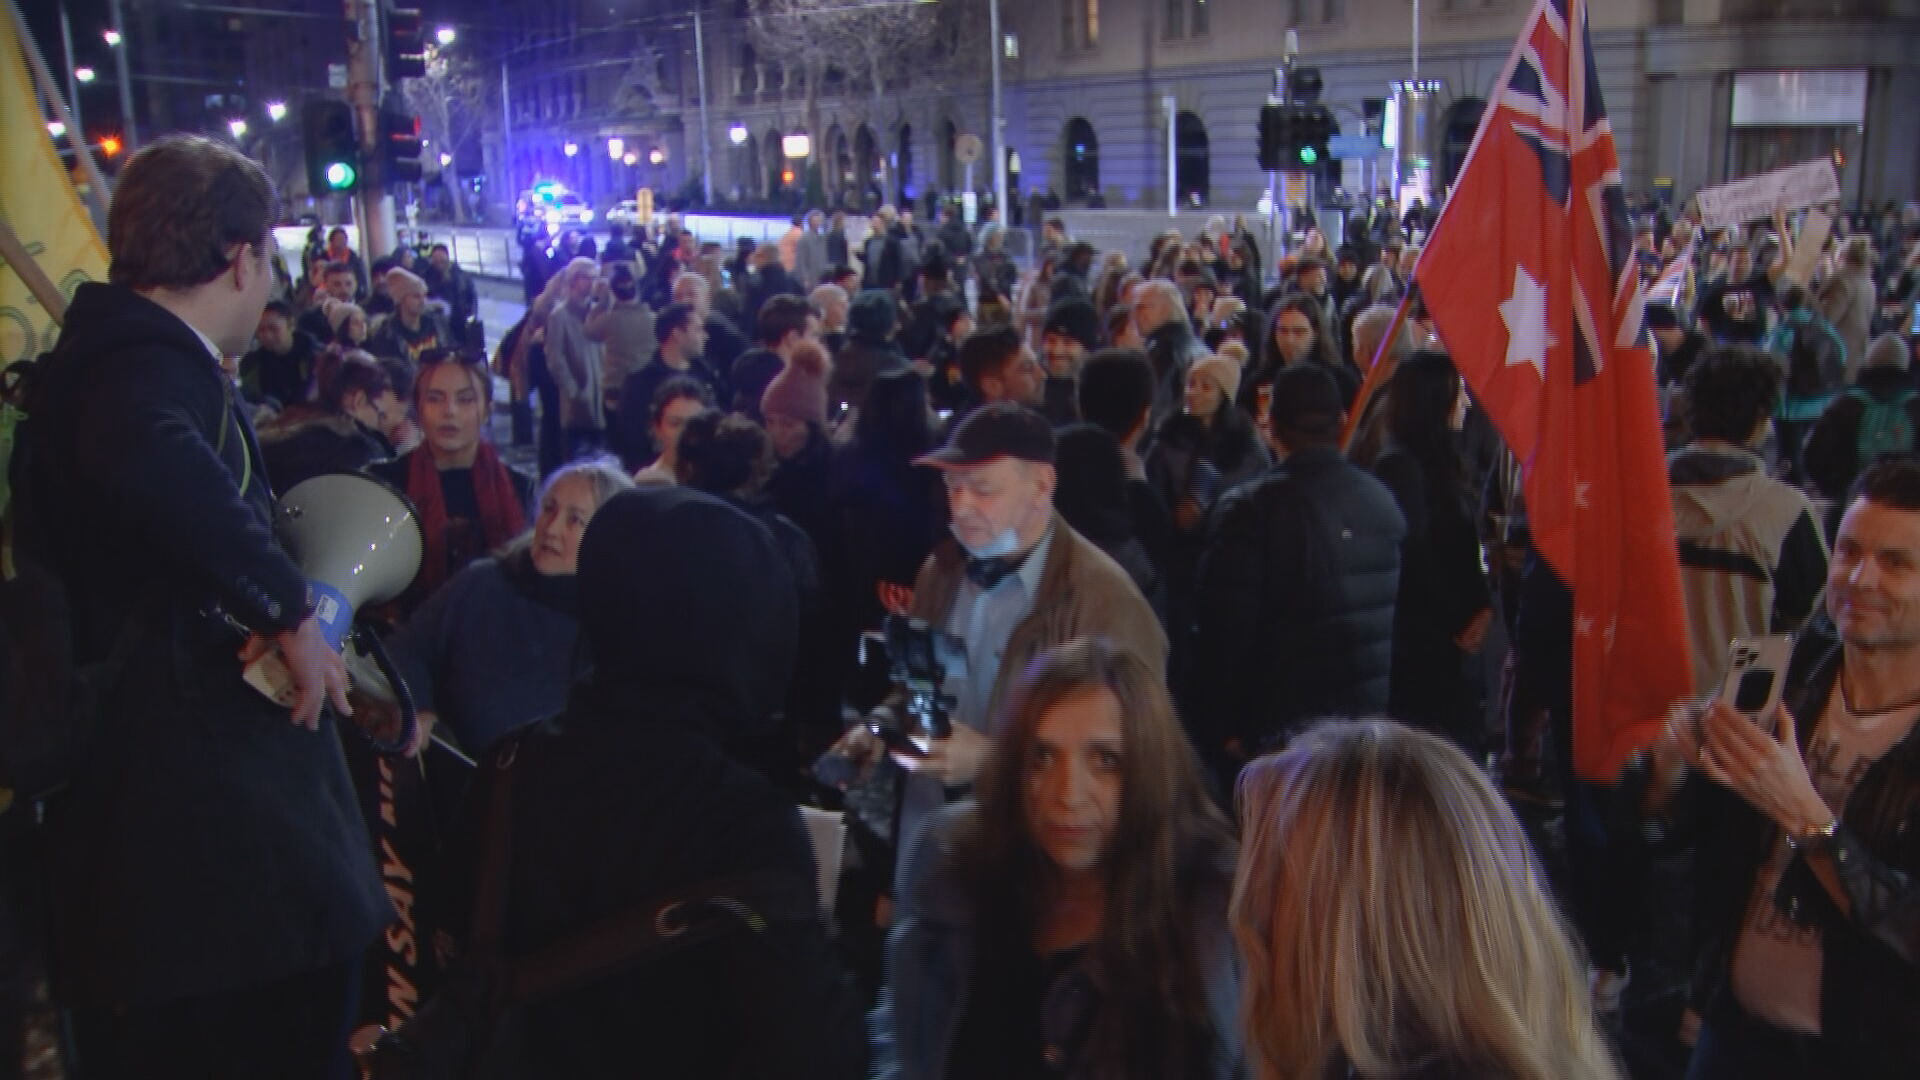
x=1309 y=156
x=340 y=176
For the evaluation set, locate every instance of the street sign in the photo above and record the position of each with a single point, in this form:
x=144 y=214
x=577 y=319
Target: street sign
x=967 y=149
x=1349 y=147
x=337 y=76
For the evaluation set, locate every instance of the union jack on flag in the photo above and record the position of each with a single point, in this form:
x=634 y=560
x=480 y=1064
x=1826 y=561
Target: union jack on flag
x=1533 y=285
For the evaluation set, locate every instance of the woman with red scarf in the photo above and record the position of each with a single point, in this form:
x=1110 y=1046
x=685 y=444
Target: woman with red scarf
x=468 y=502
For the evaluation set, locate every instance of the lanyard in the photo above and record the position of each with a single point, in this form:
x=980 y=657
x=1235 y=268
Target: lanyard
x=229 y=419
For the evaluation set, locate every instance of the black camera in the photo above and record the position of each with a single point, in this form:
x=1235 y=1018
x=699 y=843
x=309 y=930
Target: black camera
x=918 y=658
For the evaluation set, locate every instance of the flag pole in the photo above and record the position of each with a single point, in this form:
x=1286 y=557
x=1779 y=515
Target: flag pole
x=1379 y=371
x=30 y=49
x=38 y=283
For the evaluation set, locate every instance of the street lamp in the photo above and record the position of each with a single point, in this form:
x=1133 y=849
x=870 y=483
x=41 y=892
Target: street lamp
x=84 y=74
x=571 y=148
x=630 y=159
x=446 y=159
x=657 y=156
x=276 y=111
x=796 y=145
x=112 y=38
x=56 y=129
x=446 y=35
x=616 y=148
x=238 y=127
x=737 y=134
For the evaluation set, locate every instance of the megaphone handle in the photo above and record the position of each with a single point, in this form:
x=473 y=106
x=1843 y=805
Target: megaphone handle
x=268 y=673
x=370 y=645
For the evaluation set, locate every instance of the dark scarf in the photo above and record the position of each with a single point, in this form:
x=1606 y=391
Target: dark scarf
x=501 y=518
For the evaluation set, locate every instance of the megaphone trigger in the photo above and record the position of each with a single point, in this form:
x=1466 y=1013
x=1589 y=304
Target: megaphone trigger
x=365 y=674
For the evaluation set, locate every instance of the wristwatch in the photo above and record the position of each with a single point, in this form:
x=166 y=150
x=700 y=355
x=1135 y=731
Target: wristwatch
x=1813 y=837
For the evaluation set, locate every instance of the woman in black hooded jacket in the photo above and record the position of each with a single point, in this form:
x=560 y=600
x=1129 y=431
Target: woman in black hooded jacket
x=633 y=794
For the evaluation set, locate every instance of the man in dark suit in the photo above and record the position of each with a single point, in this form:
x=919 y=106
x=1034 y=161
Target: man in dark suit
x=211 y=882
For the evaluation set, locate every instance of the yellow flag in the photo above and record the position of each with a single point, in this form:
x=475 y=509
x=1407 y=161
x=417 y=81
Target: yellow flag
x=38 y=201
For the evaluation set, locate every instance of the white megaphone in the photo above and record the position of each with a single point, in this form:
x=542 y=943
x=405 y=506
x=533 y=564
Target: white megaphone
x=358 y=543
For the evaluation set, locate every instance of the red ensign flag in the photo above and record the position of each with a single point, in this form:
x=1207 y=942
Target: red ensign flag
x=1532 y=284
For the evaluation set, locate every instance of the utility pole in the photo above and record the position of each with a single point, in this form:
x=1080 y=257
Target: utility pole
x=706 y=124
x=999 y=121
x=506 y=136
x=375 y=208
x=121 y=65
x=1171 y=104
x=79 y=134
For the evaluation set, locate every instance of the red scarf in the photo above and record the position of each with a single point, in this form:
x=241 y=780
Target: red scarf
x=501 y=517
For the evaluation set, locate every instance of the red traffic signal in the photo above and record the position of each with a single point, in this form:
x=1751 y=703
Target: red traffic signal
x=406 y=44
x=400 y=148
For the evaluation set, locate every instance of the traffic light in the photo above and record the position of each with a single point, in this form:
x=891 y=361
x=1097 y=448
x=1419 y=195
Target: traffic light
x=400 y=148
x=1276 y=137
x=1305 y=86
x=406 y=44
x=333 y=154
x=1312 y=132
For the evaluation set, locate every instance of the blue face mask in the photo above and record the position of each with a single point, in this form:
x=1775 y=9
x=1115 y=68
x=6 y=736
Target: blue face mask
x=1005 y=542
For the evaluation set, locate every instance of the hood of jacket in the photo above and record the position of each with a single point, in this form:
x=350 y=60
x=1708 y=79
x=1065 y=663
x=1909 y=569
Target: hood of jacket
x=105 y=318
x=1883 y=384
x=1714 y=486
x=684 y=597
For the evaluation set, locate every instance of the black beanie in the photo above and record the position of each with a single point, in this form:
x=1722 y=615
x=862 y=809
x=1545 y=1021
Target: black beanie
x=1076 y=319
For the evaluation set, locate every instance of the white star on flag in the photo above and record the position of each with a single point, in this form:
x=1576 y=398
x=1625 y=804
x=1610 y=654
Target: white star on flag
x=1525 y=313
x=1580 y=495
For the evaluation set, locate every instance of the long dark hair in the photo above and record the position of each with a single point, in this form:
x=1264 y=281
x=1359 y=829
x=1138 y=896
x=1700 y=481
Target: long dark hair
x=1170 y=843
x=1420 y=400
x=1324 y=353
x=895 y=425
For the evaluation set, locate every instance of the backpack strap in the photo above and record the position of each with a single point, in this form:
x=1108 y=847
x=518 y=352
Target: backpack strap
x=664 y=925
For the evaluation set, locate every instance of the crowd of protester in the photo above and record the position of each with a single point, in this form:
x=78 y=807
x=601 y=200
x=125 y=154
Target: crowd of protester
x=1180 y=568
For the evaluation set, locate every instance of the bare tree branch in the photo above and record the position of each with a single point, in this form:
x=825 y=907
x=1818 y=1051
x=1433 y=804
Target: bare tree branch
x=453 y=101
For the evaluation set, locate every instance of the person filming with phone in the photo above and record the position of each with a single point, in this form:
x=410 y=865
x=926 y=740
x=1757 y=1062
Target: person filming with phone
x=1799 y=786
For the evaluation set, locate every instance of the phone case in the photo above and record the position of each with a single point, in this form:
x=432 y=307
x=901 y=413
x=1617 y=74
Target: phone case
x=1756 y=672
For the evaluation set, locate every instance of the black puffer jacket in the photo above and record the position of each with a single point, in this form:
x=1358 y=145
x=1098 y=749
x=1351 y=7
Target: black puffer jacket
x=1294 y=609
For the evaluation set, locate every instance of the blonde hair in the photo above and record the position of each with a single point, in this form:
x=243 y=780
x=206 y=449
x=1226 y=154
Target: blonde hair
x=1389 y=911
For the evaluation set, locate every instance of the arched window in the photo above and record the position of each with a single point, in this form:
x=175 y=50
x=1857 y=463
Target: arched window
x=773 y=162
x=1192 y=164
x=1081 y=150
x=839 y=158
x=753 y=177
x=949 y=168
x=866 y=156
